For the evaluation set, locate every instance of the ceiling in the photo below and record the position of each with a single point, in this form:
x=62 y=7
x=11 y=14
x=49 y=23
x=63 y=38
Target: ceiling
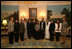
x=35 y=2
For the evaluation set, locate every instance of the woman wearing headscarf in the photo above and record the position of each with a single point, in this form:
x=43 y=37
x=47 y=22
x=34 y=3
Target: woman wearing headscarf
x=47 y=34
x=58 y=26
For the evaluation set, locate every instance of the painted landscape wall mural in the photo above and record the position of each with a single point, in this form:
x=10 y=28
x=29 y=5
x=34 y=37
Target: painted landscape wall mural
x=8 y=11
x=58 y=11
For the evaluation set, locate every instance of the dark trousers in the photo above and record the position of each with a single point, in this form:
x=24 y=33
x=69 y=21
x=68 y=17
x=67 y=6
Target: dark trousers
x=11 y=37
x=22 y=36
x=16 y=36
x=33 y=33
x=42 y=34
x=51 y=36
x=29 y=34
x=57 y=36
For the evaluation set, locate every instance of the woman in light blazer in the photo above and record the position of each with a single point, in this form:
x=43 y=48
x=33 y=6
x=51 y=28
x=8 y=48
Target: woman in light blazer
x=11 y=30
x=64 y=30
x=37 y=31
x=58 y=26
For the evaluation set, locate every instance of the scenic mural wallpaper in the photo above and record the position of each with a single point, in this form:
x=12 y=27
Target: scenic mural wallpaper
x=7 y=10
x=58 y=11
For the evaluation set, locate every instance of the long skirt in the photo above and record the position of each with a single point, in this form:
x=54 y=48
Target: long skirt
x=47 y=35
x=36 y=35
x=42 y=34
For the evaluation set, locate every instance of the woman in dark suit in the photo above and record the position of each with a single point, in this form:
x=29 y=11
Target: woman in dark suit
x=16 y=30
x=51 y=30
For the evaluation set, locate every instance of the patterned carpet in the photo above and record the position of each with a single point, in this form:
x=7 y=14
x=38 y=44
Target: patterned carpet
x=32 y=43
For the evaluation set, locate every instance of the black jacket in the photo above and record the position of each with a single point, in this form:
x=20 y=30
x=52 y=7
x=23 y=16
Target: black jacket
x=52 y=27
x=16 y=27
x=22 y=27
x=43 y=25
x=28 y=26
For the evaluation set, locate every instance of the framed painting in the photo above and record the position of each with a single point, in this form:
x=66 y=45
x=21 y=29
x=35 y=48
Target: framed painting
x=32 y=13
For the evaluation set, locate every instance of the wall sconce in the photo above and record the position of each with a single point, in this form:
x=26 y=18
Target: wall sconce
x=4 y=22
x=23 y=15
x=42 y=14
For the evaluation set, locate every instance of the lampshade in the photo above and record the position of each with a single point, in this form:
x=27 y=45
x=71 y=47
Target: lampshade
x=4 y=22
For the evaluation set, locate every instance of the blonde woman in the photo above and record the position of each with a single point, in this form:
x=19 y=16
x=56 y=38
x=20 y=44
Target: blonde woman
x=11 y=30
x=64 y=30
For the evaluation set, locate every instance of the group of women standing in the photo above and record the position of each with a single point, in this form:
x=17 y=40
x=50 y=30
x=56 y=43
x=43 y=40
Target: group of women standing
x=37 y=30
